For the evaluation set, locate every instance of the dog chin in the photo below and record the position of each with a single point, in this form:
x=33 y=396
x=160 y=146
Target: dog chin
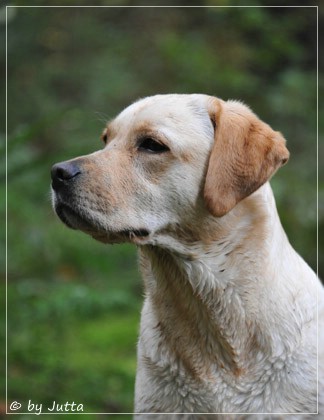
x=75 y=220
x=71 y=218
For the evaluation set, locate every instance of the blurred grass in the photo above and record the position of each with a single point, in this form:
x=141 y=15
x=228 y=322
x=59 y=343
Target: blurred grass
x=74 y=304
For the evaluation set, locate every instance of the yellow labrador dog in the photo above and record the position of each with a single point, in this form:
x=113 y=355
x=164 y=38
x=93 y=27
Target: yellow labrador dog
x=229 y=323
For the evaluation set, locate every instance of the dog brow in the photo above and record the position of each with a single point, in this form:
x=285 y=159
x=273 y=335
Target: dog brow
x=108 y=133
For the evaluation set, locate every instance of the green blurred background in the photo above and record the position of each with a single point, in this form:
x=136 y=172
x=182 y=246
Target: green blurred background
x=74 y=304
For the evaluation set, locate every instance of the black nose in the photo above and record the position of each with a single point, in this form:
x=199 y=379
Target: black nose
x=63 y=172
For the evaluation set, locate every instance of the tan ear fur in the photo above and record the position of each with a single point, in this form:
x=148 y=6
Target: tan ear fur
x=246 y=153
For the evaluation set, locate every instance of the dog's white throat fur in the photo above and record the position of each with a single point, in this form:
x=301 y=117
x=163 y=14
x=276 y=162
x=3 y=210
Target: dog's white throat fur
x=215 y=324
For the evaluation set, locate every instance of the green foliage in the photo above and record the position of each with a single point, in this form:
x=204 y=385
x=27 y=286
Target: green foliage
x=73 y=304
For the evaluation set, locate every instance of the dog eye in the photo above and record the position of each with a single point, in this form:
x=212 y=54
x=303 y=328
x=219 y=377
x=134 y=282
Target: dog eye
x=152 y=146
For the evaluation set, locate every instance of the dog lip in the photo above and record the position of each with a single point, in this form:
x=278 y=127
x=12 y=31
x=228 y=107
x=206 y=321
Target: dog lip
x=128 y=235
x=74 y=220
x=136 y=236
x=61 y=210
x=135 y=232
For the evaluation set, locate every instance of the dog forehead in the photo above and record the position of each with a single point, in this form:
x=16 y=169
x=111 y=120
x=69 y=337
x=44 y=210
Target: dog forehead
x=171 y=114
x=157 y=108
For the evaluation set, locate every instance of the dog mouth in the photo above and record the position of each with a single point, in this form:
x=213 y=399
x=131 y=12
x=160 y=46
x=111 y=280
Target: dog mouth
x=72 y=218
x=136 y=236
x=79 y=221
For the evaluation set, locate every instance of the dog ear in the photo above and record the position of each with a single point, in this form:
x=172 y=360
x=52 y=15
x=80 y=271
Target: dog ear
x=246 y=153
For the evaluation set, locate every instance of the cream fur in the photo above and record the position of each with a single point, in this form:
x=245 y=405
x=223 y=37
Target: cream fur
x=229 y=322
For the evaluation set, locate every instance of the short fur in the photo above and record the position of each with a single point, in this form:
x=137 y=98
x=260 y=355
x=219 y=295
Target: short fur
x=229 y=322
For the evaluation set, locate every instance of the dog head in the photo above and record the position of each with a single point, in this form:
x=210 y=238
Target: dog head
x=166 y=159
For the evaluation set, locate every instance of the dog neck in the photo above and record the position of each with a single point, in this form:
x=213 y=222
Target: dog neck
x=205 y=293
